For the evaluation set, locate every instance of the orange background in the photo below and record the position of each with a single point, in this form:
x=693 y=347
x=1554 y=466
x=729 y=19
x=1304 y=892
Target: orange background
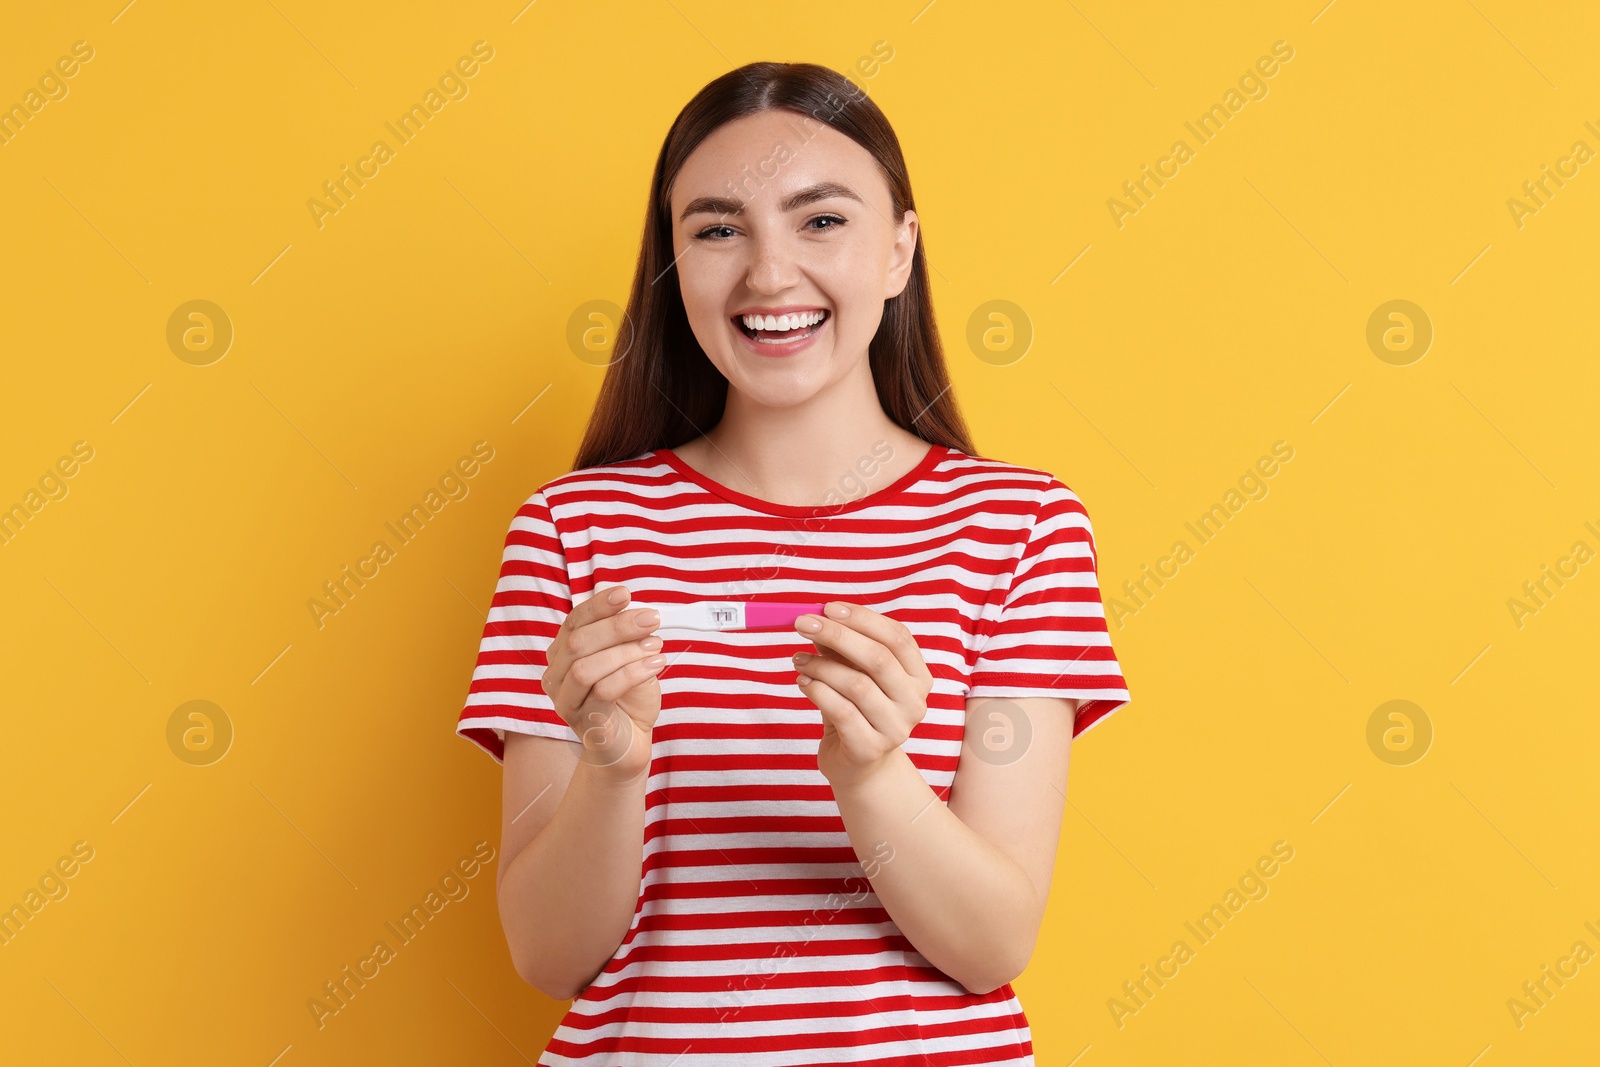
x=1440 y=859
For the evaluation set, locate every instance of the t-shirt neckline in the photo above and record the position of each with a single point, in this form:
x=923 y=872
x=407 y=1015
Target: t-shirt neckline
x=886 y=494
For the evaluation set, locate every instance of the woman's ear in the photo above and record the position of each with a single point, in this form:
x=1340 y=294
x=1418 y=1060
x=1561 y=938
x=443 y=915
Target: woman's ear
x=902 y=256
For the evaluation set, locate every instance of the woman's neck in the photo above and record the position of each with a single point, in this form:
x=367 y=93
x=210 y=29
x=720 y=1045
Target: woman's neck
x=802 y=470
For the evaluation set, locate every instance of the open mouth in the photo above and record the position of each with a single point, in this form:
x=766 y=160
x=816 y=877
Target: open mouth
x=798 y=328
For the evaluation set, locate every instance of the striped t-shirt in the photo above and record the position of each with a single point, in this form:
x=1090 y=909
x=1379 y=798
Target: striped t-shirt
x=757 y=939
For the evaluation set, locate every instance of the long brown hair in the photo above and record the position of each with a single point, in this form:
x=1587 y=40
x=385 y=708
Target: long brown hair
x=662 y=390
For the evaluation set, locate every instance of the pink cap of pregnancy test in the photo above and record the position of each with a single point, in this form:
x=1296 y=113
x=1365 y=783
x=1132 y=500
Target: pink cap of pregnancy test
x=758 y=616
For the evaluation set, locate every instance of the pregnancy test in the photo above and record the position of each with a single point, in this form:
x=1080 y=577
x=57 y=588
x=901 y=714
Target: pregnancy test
x=733 y=615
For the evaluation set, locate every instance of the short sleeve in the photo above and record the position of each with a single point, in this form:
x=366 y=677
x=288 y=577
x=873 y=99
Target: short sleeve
x=531 y=600
x=1050 y=638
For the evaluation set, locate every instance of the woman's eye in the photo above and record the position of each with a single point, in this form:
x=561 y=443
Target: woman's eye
x=712 y=233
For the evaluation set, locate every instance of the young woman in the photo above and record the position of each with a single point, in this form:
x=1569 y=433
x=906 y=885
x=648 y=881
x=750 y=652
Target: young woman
x=827 y=843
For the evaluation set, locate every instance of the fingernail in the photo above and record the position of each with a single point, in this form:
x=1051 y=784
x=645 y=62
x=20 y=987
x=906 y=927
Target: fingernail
x=648 y=619
x=809 y=623
x=655 y=661
x=651 y=643
x=838 y=611
x=802 y=657
x=617 y=595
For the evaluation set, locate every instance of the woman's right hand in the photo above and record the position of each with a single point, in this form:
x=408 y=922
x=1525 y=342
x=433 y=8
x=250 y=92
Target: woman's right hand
x=602 y=676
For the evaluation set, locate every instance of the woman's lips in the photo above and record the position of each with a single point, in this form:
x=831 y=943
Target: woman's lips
x=803 y=338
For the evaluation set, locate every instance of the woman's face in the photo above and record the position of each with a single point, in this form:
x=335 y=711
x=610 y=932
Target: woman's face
x=778 y=213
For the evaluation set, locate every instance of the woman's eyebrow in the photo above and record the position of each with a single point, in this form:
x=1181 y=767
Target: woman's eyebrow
x=727 y=205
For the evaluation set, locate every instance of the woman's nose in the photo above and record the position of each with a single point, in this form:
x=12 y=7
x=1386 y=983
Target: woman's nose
x=773 y=266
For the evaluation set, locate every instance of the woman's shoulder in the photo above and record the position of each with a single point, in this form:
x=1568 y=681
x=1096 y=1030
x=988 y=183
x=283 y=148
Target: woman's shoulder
x=630 y=475
x=987 y=474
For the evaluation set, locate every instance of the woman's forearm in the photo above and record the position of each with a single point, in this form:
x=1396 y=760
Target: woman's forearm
x=961 y=902
x=568 y=898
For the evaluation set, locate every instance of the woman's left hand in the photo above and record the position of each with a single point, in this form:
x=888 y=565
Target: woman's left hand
x=870 y=682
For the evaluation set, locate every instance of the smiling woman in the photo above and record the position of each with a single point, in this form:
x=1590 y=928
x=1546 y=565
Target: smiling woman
x=729 y=844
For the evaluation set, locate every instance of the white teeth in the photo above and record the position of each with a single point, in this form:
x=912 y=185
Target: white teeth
x=783 y=322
